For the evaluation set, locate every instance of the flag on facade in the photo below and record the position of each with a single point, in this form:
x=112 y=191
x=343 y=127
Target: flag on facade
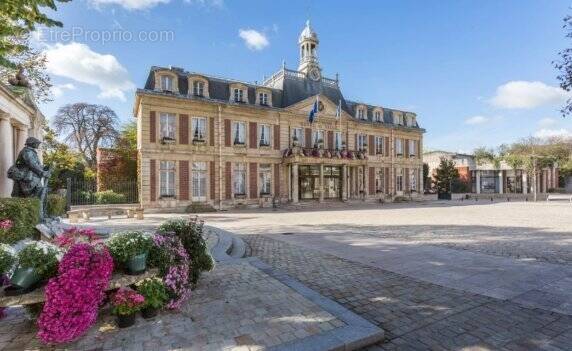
x=339 y=109
x=314 y=111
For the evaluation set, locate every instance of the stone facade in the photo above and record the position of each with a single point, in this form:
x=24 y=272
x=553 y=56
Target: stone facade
x=227 y=143
x=19 y=119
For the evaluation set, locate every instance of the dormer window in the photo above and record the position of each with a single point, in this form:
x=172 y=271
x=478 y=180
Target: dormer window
x=377 y=116
x=263 y=98
x=198 y=88
x=238 y=95
x=398 y=119
x=167 y=83
x=360 y=113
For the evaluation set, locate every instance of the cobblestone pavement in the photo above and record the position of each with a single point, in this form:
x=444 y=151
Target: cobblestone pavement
x=237 y=307
x=418 y=315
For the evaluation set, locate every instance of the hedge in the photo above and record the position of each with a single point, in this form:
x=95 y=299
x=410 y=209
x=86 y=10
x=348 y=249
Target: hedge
x=109 y=197
x=24 y=213
x=56 y=205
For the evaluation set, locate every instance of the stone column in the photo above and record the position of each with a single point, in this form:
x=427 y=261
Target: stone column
x=478 y=181
x=6 y=155
x=344 y=182
x=321 y=182
x=22 y=136
x=524 y=182
x=501 y=183
x=294 y=183
x=366 y=181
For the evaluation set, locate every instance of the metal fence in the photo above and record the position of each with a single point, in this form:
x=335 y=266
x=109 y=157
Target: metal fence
x=86 y=192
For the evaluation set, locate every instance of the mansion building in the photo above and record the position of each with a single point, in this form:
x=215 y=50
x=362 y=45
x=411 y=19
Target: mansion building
x=223 y=142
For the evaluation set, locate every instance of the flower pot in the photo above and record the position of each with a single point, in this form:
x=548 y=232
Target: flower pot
x=149 y=312
x=24 y=278
x=125 y=320
x=137 y=264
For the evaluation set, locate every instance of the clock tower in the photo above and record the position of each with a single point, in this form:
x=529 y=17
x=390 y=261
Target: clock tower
x=308 y=42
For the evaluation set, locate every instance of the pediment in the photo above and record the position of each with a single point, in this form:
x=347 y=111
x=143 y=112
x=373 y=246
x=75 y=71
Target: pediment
x=328 y=107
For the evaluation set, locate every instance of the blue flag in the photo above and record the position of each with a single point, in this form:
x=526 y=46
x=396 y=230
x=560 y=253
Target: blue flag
x=313 y=112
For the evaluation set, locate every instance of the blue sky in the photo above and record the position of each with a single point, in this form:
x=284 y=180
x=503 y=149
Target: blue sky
x=477 y=73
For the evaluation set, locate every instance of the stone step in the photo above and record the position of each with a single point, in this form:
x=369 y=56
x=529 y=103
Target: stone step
x=228 y=246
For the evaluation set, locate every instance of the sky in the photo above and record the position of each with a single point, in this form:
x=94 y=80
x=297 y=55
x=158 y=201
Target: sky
x=476 y=73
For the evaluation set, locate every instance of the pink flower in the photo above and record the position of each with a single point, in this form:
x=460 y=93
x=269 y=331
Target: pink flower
x=76 y=235
x=6 y=224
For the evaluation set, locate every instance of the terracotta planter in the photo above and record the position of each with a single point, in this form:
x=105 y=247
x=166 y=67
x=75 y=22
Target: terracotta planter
x=137 y=265
x=149 y=312
x=125 y=321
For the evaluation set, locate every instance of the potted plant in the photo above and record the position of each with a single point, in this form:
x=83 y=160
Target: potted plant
x=7 y=258
x=131 y=249
x=37 y=262
x=126 y=302
x=155 y=294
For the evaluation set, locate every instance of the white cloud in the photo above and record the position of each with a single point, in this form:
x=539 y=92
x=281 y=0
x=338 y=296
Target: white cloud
x=547 y=122
x=207 y=3
x=130 y=4
x=78 y=62
x=526 y=95
x=476 y=120
x=58 y=89
x=545 y=133
x=253 y=39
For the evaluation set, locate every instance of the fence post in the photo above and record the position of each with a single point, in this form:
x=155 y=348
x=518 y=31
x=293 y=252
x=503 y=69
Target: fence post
x=68 y=194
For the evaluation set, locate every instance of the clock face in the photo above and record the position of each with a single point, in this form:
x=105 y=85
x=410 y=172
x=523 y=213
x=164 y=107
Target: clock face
x=314 y=74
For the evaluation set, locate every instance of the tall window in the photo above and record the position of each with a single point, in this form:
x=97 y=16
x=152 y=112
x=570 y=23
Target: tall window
x=413 y=179
x=166 y=83
x=360 y=113
x=338 y=140
x=198 y=88
x=199 y=128
x=199 y=181
x=412 y=148
x=399 y=179
x=239 y=133
x=167 y=126
x=263 y=98
x=264 y=132
x=167 y=175
x=361 y=141
x=377 y=116
x=265 y=177
x=397 y=119
x=298 y=134
x=398 y=147
x=379 y=180
x=238 y=95
x=379 y=145
x=318 y=138
x=239 y=178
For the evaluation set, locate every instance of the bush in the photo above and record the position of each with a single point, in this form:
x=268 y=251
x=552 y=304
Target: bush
x=126 y=245
x=154 y=292
x=24 y=213
x=109 y=197
x=7 y=259
x=42 y=256
x=191 y=234
x=56 y=205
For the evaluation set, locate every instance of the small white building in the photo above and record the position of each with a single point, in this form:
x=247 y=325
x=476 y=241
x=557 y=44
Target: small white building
x=19 y=119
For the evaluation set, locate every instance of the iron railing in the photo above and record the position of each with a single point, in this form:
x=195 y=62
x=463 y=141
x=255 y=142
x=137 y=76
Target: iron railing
x=86 y=192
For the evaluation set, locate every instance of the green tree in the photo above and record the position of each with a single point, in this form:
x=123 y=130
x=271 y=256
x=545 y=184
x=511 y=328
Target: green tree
x=426 y=180
x=18 y=18
x=446 y=175
x=564 y=66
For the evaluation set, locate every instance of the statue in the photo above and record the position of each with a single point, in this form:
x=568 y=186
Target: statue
x=27 y=174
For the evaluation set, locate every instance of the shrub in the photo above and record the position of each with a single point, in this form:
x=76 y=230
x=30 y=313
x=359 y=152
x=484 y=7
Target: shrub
x=191 y=234
x=7 y=259
x=126 y=245
x=154 y=292
x=56 y=205
x=42 y=256
x=109 y=197
x=126 y=301
x=24 y=214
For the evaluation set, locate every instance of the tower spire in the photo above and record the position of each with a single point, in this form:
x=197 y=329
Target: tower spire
x=308 y=43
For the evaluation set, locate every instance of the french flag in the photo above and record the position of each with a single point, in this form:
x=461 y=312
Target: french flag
x=314 y=111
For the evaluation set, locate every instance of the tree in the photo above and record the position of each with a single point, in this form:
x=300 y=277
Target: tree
x=87 y=127
x=33 y=63
x=18 y=18
x=484 y=156
x=445 y=175
x=564 y=66
x=426 y=179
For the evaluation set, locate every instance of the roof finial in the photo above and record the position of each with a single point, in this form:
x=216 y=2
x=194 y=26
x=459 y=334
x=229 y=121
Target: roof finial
x=283 y=64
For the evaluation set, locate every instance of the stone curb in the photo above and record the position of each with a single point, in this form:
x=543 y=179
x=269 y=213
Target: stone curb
x=228 y=247
x=357 y=332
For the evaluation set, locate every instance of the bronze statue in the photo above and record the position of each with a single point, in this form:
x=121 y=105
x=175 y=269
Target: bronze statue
x=27 y=174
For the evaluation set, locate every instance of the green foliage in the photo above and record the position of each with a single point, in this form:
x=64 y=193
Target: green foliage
x=126 y=245
x=191 y=234
x=109 y=197
x=484 y=156
x=42 y=256
x=7 y=258
x=154 y=291
x=445 y=175
x=460 y=186
x=24 y=212
x=56 y=205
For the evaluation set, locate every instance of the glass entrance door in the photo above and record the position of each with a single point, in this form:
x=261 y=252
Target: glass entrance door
x=309 y=178
x=332 y=182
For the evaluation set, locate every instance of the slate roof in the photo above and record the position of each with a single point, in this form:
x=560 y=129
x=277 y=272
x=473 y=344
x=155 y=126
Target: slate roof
x=288 y=88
